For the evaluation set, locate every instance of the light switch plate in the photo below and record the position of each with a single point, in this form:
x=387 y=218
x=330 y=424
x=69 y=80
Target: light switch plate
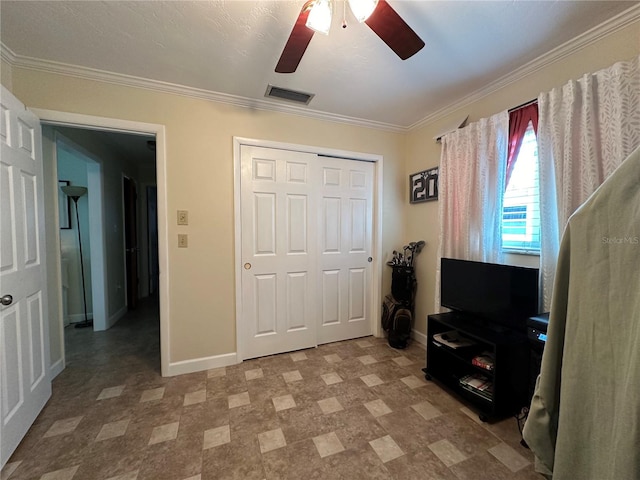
x=183 y=217
x=183 y=240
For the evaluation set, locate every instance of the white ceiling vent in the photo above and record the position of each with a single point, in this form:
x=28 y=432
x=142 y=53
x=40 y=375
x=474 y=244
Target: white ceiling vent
x=289 y=95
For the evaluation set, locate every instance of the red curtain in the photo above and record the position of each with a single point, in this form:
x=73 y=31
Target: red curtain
x=518 y=122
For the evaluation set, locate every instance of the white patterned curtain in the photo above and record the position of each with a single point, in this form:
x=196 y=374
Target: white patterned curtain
x=586 y=129
x=471 y=188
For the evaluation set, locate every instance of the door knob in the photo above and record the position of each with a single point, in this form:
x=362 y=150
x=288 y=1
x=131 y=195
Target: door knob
x=369 y=259
x=247 y=266
x=6 y=300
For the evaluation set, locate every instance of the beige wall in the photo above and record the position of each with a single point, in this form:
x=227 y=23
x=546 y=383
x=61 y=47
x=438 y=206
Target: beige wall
x=200 y=179
x=423 y=152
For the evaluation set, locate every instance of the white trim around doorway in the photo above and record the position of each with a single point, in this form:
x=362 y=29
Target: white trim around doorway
x=376 y=281
x=57 y=118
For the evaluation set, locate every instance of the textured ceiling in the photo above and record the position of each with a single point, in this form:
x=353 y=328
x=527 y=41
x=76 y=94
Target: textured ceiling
x=232 y=47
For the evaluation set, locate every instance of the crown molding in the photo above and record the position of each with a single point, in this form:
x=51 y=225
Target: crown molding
x=7 y=54
x=583 y=40
x=47 y=66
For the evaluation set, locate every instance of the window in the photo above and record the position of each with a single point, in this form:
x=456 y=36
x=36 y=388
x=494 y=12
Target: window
x=521 y=207
x=514 y=220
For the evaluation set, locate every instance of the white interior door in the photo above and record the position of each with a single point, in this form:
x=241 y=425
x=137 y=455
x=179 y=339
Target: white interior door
x=345 y=233
x=25 y=385
x=278 y=251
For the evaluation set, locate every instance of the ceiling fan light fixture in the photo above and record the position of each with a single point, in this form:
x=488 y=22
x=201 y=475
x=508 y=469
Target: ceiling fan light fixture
x=320 y=17
x=362 y=9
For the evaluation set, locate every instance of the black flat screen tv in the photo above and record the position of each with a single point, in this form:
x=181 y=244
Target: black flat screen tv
x=501 y=294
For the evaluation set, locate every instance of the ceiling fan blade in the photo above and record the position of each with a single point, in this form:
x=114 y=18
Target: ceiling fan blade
x=297 y=44
x=394 y=31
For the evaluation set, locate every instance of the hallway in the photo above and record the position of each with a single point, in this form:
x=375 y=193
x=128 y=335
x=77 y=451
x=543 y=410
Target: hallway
x=133 y=344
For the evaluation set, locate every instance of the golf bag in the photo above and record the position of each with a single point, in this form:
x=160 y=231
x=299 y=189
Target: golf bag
x=403 y=285
x=397 y=316
x=389 y=308
x=400 y=330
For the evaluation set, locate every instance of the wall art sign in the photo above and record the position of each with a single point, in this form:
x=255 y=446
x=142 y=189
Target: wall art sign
x=423 y=186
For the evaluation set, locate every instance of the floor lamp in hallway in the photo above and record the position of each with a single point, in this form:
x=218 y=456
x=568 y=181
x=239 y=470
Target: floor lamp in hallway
x=75 y=193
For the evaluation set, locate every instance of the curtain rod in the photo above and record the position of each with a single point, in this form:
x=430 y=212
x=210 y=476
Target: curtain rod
x=535 y=100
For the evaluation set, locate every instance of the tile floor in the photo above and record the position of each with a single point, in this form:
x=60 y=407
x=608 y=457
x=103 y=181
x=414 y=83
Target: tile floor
x=349 y=410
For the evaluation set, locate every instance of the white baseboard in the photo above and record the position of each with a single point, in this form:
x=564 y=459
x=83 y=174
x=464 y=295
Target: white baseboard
x=201 y=364
x=57 y=368
x=111 y=321
x=421 y=338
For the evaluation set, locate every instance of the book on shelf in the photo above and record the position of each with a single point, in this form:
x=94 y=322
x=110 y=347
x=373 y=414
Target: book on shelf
x=485 y=360
x=478 y=384
x=486 y=394
x=453 y=339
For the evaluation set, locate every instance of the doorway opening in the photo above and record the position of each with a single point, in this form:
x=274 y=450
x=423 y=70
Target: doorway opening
x=99 y=159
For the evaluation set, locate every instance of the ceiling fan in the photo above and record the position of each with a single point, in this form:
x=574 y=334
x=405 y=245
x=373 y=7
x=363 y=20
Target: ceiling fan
x=377 y=14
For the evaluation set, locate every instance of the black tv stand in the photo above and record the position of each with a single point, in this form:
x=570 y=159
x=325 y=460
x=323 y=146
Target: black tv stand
x=494 y=327
x=504 y=389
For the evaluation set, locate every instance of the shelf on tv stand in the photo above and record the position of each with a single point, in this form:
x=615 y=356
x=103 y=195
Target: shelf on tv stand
x=510 y=372
x=478 y=326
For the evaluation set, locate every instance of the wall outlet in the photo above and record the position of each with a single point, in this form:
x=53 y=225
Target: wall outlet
x=183 y=217
x=183 y=240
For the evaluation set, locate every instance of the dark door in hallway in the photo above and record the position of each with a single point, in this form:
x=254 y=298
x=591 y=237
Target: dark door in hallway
x=131 y=241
